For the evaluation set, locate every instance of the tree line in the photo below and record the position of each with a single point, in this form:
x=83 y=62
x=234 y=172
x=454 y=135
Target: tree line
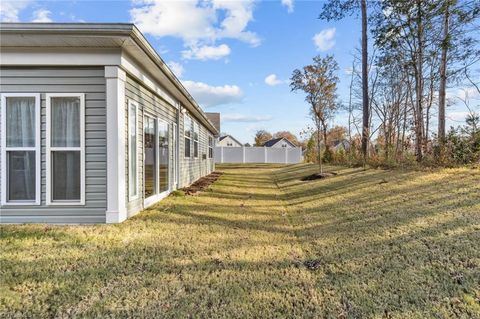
x=411 y=53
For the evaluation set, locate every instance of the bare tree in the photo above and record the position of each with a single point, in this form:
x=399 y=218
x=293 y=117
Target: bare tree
x=319 y=83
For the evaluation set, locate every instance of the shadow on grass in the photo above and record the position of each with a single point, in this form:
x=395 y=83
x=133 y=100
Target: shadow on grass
x=406 y=248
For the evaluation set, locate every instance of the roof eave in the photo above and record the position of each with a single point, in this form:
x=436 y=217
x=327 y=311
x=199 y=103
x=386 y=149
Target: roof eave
x=110 y=29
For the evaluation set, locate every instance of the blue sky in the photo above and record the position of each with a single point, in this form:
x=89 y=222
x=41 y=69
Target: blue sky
x=234 y=57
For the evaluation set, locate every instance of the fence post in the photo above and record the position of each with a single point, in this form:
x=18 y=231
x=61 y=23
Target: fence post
x=265 y=148
x=243 y=158
x=221 y=154
x=286 y=155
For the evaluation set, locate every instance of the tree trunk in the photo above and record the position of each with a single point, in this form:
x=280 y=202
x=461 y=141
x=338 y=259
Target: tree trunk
x=350 y=107
x=443 y=79
x=319 y=148
x=419 y=85
x=365 y=104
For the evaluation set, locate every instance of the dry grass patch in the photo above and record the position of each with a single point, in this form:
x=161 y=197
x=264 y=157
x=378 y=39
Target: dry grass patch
x=261 y=243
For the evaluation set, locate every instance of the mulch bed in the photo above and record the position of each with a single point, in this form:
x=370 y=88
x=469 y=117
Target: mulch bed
x=316 y=176
x=202 y=184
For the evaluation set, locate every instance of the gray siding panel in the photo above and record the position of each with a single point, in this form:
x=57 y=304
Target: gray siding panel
x=90 y=81
x=192 y=168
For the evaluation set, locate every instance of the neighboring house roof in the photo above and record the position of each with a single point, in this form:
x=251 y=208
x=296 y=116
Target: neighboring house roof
x=341 y=143
x=274 y=141
x=233 y=138
x=121 y=40
x=214 y=118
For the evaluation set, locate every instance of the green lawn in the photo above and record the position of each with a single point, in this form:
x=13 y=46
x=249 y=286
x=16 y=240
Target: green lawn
x=261 y=243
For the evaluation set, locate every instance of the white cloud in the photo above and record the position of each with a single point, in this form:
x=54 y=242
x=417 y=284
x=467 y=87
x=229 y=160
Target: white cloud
x=207 y=95
x=200 y=23
x=457 y=116
x=42 y=15
x=272 y=80
x=9 y=10
x=206 y=52
x=176 y=68
x=468 y=93
x=245 y=118
x=237 y=16
x=325 y=39
x=348 y=71
x=288 y=4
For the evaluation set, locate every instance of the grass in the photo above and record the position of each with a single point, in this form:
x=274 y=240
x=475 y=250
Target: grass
x=261 y=243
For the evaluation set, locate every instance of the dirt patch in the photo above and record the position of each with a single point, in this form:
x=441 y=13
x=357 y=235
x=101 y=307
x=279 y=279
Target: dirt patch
x=312 y=264
x=316 y=176
x=202 y=184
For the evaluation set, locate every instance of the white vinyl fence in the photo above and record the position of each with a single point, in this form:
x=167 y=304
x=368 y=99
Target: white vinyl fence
x=258 y=155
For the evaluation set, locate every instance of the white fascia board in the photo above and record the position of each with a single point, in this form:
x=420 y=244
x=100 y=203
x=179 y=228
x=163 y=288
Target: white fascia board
x=60 y=56
x=141 y=75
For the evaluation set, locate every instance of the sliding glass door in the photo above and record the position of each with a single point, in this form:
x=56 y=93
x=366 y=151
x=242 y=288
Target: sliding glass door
x=156 y=158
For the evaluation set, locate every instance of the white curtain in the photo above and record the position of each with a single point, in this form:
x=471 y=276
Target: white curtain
x=21 y=175
x=65 y=122
x=20 y=132
x=65 y=132
x=20 y=121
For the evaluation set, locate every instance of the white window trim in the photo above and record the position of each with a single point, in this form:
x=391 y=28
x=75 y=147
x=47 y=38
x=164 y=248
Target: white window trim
x=153 y=117
x=137 y=192
x=159 y=120
x=196 y=128
x=175 y=157
x=36 y=148
x=49 y=150
x=210 y=146
x=185 y=136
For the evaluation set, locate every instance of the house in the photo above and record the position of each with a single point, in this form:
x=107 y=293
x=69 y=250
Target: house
x=214 y=119
x=94 y=126
x=279 y=142
x=342 y=144
x=228 y=141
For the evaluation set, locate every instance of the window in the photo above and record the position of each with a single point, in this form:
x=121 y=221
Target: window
x=132 y=150
x=195 y=139
x=188 y=134
x=65 y=149
x=210 y=146
x=20 y=148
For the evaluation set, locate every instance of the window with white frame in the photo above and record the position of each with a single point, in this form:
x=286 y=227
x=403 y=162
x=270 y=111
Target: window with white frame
x=20 y=147
x=195 y=139
x=65 y=149
x=132 y=150
x=187 y=128
x=210 y=146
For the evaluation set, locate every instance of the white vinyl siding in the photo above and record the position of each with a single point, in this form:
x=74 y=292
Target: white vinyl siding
x=20 y=145
x=65 y=149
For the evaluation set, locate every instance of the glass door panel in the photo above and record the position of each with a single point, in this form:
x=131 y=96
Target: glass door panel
x=163 y=154
x=150 y=154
